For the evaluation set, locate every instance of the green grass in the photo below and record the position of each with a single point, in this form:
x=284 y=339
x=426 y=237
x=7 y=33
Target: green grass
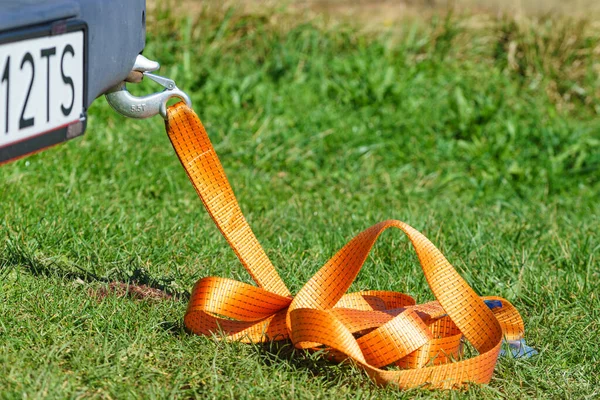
x=484 y=137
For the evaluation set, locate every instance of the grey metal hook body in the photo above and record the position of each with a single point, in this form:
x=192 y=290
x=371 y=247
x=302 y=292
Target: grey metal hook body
x=122 y=101
x=143 y=107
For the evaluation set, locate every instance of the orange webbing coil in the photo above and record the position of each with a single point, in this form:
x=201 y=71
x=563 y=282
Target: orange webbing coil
x=374 y=328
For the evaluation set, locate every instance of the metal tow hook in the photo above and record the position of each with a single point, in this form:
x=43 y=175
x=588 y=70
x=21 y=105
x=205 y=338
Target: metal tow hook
x=147 y=106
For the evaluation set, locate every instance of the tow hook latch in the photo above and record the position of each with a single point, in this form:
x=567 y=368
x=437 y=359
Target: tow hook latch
x=148 y=106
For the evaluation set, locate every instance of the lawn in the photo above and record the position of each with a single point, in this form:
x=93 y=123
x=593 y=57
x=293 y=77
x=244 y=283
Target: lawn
x=481 y=132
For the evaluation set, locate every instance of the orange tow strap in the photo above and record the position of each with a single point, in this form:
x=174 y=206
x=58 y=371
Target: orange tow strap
x=377 y=329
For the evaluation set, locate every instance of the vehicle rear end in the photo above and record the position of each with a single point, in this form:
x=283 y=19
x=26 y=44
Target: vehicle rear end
x=56 y=58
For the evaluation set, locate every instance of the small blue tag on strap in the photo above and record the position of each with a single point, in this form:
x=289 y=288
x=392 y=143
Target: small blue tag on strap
x=493 y=304
x=517 y=348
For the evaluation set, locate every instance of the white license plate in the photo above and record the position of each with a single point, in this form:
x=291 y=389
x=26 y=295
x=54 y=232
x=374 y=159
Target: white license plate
x=42 y=84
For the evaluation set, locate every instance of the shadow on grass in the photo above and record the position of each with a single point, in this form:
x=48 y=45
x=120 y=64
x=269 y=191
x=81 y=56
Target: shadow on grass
x=174 y=328
x=319 y=364
x=136 y=282
x=282 y=354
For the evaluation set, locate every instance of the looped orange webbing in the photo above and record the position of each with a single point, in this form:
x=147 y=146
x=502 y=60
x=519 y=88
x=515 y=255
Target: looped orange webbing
x=374 y=328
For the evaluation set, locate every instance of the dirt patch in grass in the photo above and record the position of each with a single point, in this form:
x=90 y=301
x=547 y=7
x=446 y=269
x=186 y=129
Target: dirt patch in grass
x=136 y=292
